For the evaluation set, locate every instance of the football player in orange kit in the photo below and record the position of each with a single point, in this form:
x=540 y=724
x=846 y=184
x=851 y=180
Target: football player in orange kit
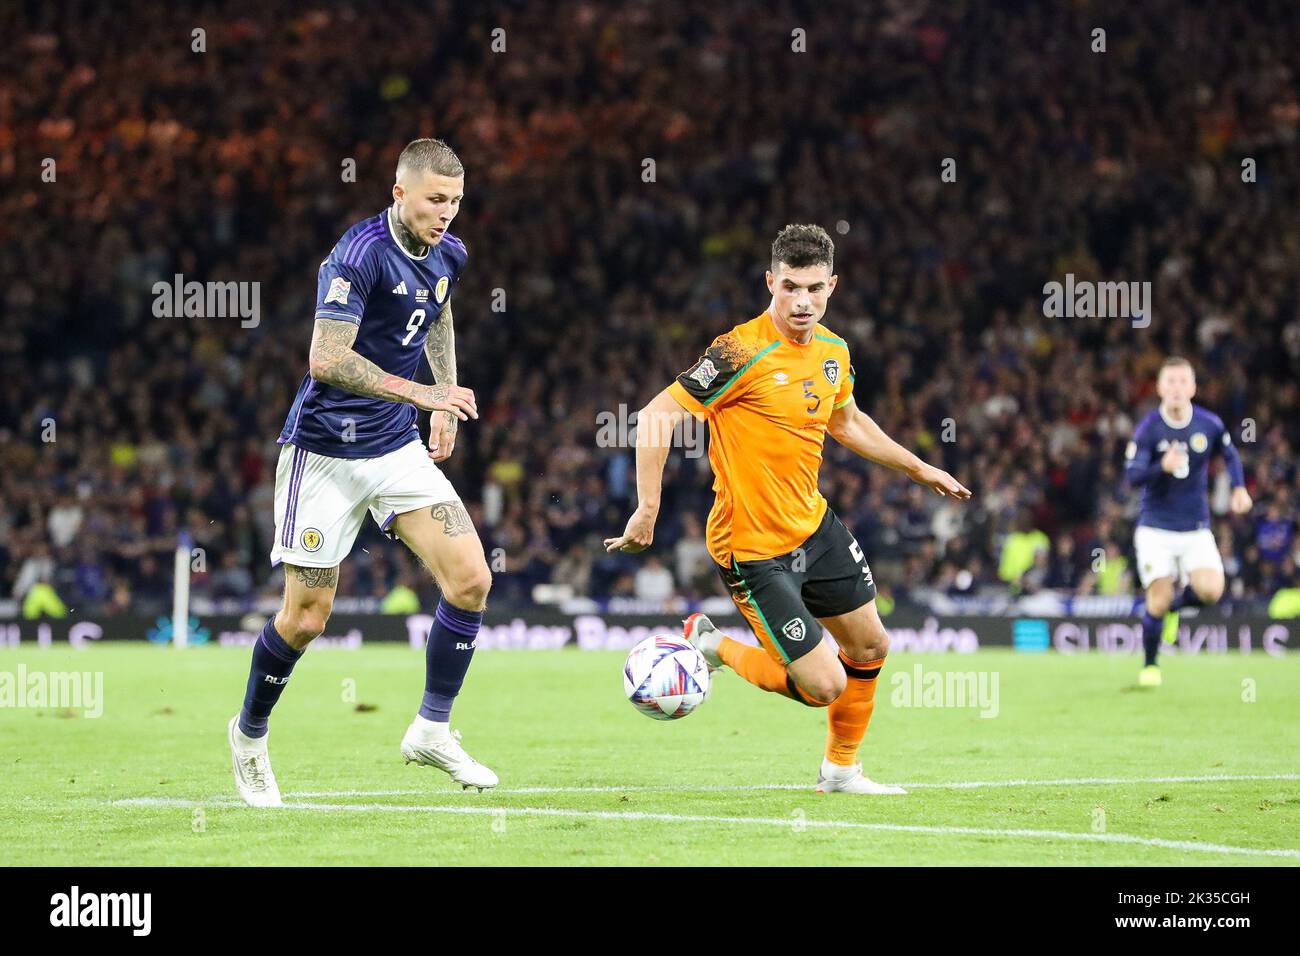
x=771 y=389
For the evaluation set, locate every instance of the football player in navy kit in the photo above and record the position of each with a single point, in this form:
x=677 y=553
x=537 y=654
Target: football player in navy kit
x=1178 y=562
x=350 y=445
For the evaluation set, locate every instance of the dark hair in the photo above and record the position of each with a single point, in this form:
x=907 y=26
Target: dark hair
x=803 y=245
x=432 y=155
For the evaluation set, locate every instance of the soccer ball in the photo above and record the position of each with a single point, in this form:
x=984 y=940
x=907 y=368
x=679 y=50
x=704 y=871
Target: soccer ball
x=665 y=677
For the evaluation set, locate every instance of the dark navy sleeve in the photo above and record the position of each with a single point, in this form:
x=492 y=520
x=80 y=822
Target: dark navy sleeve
x=1141 y=463
x=457 y=255
x=1231 y=458
x=343 y=285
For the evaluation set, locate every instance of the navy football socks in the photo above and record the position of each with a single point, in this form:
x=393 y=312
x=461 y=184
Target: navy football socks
x=447 y=657
x=1187 y=598
x=1151 y=627
x=273 y=661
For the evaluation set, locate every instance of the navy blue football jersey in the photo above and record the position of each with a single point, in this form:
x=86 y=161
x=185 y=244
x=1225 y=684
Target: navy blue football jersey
x=394 y=298
x=1179 y=501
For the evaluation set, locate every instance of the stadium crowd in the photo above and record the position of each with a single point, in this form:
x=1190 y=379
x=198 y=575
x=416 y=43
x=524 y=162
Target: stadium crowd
x=595 y=276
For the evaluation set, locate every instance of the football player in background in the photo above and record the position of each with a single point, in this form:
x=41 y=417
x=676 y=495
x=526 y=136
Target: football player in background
x=1169 y=457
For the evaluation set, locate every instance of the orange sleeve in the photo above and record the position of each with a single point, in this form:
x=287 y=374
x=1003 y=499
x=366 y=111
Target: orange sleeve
x=846 y=389
x=689 y=401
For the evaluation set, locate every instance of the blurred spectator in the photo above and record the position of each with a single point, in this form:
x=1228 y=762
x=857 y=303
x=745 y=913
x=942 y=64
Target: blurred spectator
x=1021 y=551
x=1274 y=533
x=43 y=601
x=402 y=599
x=234 y=580
x=692 y=563
x=654 y=582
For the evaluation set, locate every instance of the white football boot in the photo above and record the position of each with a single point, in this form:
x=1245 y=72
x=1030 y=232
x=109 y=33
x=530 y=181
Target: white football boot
x=433 y=745
x=705 y=638
x=836 y=779
x=253 y=775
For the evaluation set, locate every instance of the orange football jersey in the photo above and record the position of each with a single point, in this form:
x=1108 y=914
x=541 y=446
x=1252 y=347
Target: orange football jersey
x=767 y=400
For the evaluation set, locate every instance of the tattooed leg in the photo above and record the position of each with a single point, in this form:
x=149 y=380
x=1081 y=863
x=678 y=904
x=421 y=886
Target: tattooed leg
x=453 y=518
x=308 y=600
x=443 y=537
x=314 y=577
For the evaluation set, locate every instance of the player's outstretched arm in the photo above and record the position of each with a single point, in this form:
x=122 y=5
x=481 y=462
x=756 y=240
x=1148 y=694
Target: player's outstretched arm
x=1240 y=503
x=334 y=362
x=654 y=436
x=440 y=350
x=857 y=431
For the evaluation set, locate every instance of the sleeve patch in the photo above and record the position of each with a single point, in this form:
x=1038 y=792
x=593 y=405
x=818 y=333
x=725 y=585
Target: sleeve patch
x=338 y=291
x=705 y=373
x=717 y=369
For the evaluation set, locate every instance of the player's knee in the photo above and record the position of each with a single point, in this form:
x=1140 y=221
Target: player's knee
x=303 y=623
x=1158 y=607
x=1209 y=593
x=470 y=590
x=824 y=689
x=1158 y=600
x=874 y=648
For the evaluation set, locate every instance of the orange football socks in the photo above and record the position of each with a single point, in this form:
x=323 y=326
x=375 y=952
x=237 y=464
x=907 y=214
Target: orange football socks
x=848 y=717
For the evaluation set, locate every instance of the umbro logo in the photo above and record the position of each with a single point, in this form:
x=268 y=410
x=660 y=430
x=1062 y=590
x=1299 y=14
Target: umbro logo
x=781 y=378
x=401 y=288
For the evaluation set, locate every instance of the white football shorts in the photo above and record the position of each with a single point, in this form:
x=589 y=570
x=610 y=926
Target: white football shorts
x=320 y=502
x=1174 y=554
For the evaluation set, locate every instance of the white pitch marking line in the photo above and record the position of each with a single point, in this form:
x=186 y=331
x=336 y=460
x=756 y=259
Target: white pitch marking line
x=1092 y=781
x=955 y=785
x=755 y=821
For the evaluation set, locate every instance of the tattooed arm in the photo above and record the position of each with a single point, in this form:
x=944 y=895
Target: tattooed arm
x=334 y=362
x=440 y=350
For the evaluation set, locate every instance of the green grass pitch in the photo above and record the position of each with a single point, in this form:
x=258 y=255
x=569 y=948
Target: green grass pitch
x=1077 y=767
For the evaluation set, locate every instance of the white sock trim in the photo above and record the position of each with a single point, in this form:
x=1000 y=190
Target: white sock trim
x=250 y=743
x=435 y=729
x=837 y=771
